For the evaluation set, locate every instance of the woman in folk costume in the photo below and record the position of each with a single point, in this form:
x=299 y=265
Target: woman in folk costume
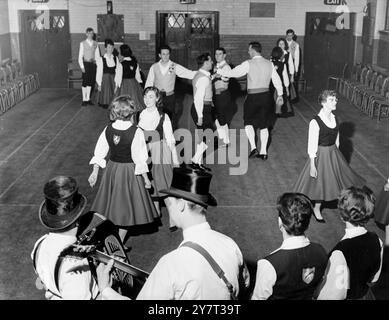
x=122 y=196
x=289 y=65
x=381 y=213
x=277 y=58
x=355 y=263
x=159 y=132
x=326 y=172
x=108 y=74
x=131 y=77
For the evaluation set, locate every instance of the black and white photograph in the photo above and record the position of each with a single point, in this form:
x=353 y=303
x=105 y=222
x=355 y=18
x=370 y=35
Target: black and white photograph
x=212 y=151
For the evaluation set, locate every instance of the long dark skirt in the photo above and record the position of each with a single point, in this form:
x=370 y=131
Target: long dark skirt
x=122 y=196
x=381 y=211
x=134 y=90
x=333 y=175
x=107 y=89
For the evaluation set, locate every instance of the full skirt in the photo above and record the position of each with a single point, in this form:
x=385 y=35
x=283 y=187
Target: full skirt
x=333 y=175
x=132 y=88
x=161 y=167
x=122 y=196
x=381 y=211
x=107 y=89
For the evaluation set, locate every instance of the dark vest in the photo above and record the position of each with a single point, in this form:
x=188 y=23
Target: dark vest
x=363 y=257
x=299 y=272
x=159 y=129
x=327 y=136
x=107 y=69
x=120 y=142
x=129 y=69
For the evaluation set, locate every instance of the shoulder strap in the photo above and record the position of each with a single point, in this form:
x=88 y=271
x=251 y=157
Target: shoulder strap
x=218 y=270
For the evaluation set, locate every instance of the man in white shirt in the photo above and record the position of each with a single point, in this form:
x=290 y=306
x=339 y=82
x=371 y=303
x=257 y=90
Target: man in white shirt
x=222 y=98
x=202 y=111
x=258 y=105
x=294 y=51
x=184 y=273
x=60 y=214
x=87 y=56
x=162 y=75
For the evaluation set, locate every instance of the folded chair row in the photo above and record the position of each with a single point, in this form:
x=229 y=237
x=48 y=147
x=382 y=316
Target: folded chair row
x=14 y=86
x=366 y=89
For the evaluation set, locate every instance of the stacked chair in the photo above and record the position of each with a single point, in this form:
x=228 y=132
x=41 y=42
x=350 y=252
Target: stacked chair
x=366 y=89
x=14 y=86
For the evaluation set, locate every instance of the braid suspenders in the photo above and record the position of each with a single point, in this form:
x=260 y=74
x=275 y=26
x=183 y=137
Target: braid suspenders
x=218 y=270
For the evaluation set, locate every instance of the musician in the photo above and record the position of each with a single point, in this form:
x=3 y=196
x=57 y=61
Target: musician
x=184 y=274
x=60 y=213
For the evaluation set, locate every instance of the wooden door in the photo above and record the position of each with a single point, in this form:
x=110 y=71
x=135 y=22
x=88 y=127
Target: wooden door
x=189 y=34
x=326 y=47
x=46 y=45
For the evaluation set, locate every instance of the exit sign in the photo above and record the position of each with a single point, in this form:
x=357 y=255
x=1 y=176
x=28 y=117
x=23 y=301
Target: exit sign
x=334 y=2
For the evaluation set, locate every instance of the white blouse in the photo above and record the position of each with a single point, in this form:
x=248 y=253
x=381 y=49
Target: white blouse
x=149 y=119
x=314 y=129
x=336 y=280
x=110 y=63
x=138 y=148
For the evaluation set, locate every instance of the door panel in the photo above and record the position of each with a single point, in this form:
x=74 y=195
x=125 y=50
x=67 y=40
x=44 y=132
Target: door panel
x=46 y=46
x=188 y=34
x=326 y=48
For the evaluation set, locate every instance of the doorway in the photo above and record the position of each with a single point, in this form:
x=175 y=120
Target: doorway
x=326 y=47
x=189 y=34
x=45 y=45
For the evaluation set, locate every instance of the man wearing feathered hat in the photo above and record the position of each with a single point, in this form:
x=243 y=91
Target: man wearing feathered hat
x=60 y=213
x=206 y=265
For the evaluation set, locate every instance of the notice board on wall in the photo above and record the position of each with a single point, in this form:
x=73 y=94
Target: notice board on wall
x=110 y=26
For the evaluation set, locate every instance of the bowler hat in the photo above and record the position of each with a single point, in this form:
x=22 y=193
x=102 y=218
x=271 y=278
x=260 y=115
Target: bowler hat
x=63 y=204
x=191 y=184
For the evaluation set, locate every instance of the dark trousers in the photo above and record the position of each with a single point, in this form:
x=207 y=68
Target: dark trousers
x=89 y=76
x=224 y=109
x=208 y=117
x=169 y=107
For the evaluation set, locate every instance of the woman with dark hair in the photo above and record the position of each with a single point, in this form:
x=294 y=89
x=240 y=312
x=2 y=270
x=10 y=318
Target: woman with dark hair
x=288 y=60
x=356 y=261
x=122 y=196
x=108 y=74
x=159 y=132
x=131 y=77
x=277 y=58
x=381 y=213
x=295 y=269
x=326 y=172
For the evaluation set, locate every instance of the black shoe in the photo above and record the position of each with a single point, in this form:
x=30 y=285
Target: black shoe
x=319 y=220
x=254 y=154
x=84 y=103
x=173 y=228
x=264 y=157
x=90 y=103
x=196 y=166
x=127 y=249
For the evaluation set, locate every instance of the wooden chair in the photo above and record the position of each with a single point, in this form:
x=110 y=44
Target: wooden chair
x=74 y=73
x=380 y=104
x=374 y=90
x=351 y=85
x=355 y=77
x=337 y=79
x=357 y=88
x=362 y=90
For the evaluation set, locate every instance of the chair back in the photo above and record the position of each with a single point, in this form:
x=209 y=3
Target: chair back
x=344 y=71
x=373 y=80
x=378 y=84
x=2 y=76
x=385 y=87
x=366 y=80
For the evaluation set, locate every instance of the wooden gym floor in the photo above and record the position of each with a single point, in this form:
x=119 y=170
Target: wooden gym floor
x=50 y=134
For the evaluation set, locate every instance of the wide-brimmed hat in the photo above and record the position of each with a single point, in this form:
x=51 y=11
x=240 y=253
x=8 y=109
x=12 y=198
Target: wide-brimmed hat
x=63 y=204
x=191 y=184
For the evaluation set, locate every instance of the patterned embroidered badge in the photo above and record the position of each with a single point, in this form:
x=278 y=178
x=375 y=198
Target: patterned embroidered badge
x=308 y=275
x=116 y=139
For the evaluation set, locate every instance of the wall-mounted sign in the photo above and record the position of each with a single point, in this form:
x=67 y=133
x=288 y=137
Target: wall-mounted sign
x=335 y=2
x=187 y=1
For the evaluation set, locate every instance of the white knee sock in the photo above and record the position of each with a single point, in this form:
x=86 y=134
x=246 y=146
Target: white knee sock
x=220 y=130
x=226 y=134
x=200 y=149
x=87 y=95
x=84 y=94
x=251 y=136
x=264 y=135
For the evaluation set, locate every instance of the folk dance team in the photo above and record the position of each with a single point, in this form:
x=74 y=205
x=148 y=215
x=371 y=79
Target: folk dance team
x=132 y=188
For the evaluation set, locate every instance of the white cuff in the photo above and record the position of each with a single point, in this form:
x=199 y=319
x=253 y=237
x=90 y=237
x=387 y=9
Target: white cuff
x=102 y=163
x=141 y=168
